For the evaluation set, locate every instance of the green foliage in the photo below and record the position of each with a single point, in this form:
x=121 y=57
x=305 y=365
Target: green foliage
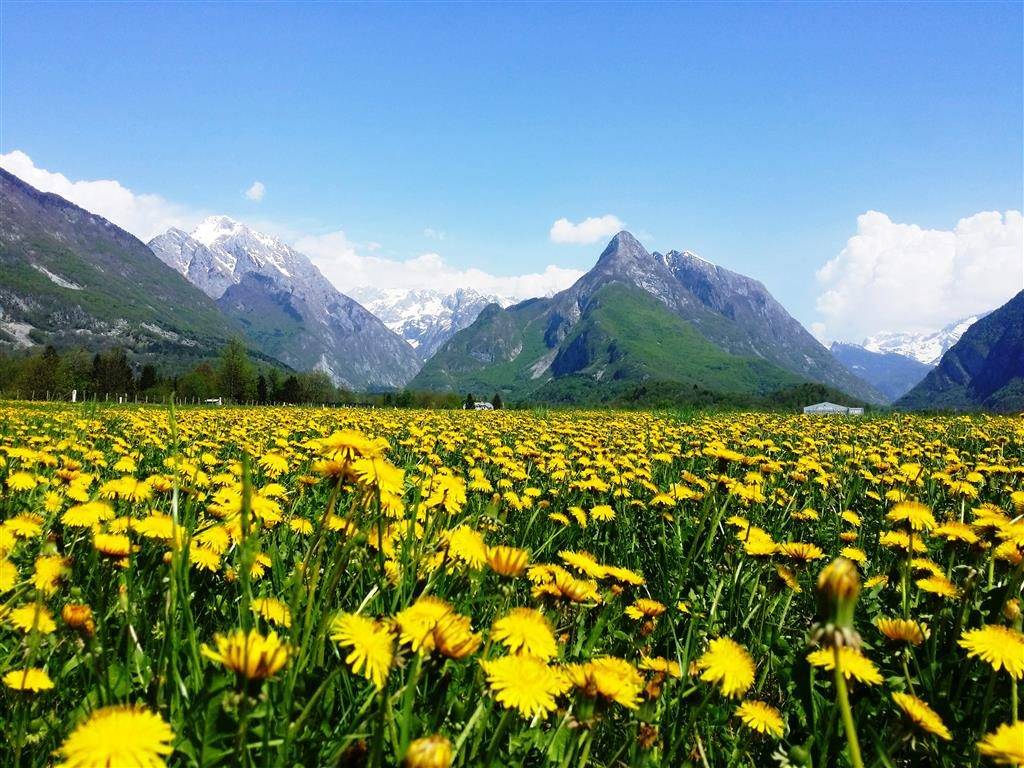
x=236 y=375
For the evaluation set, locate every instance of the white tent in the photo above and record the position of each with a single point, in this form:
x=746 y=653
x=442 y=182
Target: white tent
x=827 y=407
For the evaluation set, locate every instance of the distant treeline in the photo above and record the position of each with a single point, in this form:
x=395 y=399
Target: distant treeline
x=49 y=374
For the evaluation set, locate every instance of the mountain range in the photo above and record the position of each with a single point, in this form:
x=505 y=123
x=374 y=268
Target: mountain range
x=426 y=318
x=926 y=348
x=71 y=278
x=890 y=373
x=639 y=319
x=637 y=326
x=285 y=306
x=984 y=369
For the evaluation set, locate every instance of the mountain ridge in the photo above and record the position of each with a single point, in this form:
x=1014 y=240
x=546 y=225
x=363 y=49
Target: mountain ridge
x=927 y=347
x=984 y=369
x=425 y=317
x=890 y=373
x=489 y=351
x=285 y=305
x=73 y=278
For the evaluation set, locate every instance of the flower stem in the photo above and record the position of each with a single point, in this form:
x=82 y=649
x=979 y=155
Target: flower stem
x=843 y=699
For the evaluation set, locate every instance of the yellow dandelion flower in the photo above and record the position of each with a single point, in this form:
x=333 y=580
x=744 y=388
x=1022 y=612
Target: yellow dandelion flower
x=31 y=679
x=87 y=515
x=610 y=677
x=21 y=481
x=1002 y=647
x=802 y=551
x=129 y=736
x=855 y=665
x=914 y=514
x=454 y=636
x=902 y=630
x=371 y=646
x=1005 y=745
x=661 y=664
x=273 y=610
x=507 y=561
x=32 y=617
x=78 y=616
x=416 y=623
x=938 y=585
x=112 y=544
x=467 y=546
x=252 y=655
x=8 y=575
x=761 y=717
x=729 y=664
x=922 y=715
x=526 y=631
x=644 y=608
x=524 y=683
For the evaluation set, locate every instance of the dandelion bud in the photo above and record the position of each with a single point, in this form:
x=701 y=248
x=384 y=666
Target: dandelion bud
x=838 y=589
x=429 y=752
x=1011 y=611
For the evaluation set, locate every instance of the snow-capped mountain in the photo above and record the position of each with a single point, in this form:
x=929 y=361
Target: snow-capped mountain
x=287 y=307
x=219 y=252
x=926 y=348
x=424 y=317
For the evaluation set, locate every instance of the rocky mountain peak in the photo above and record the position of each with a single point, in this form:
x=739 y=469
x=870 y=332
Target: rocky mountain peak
x=624 y=249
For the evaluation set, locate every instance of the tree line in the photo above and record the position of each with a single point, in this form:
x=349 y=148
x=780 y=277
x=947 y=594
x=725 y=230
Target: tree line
x=233 y=376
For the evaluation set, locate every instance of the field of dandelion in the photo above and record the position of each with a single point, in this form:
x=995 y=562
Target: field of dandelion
x=321 y=587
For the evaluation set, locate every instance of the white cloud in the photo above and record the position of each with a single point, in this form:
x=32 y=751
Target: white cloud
x=434 y=234
x=256 y=191
x=590 y=230
x=141 y=214
x=343 y=264
x=901 y=277
x=347 y=264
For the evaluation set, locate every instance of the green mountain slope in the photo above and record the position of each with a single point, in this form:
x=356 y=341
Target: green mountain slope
x=632 y=324
x=623 y=338
x=984 y=369
x=71 y=278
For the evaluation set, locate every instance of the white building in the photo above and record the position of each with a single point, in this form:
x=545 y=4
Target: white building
x=827 y=407
x=482 y=406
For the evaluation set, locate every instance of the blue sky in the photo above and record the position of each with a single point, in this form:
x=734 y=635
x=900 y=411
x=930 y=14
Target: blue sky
x=753 y=134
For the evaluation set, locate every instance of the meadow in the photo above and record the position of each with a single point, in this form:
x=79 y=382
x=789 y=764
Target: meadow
x=342 y=587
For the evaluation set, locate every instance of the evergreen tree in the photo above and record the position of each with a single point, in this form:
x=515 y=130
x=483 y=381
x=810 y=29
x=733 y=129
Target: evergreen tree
x=291 y=390
x=496 y=400
x=236 y=376
x=470 y=401
x=147 y=377
x=274 y=384
x=111 y=373
x=261 y=388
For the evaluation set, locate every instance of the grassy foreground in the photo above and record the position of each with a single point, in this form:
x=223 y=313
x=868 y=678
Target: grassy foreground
x=284 y=587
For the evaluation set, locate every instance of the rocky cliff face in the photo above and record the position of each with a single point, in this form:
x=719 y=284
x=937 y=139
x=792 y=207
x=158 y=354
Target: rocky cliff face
x=984 y=369
x=286 y=306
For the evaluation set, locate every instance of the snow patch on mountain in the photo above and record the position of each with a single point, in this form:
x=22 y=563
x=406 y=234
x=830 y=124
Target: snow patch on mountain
x=926 y=348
